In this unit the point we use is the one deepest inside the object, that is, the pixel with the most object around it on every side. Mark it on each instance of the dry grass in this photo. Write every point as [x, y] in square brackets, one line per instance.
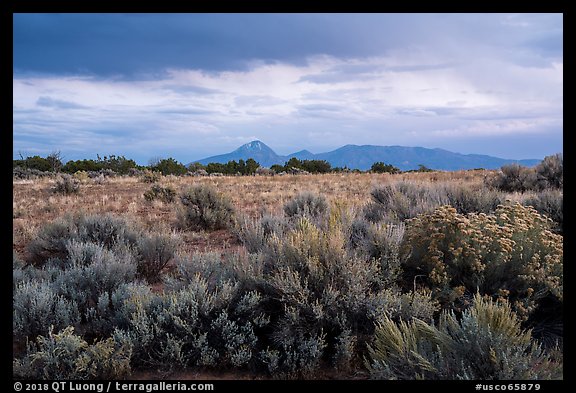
[34, 204]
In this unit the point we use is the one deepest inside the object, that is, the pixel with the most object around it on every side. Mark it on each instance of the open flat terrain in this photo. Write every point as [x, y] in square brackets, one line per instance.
[34, 204]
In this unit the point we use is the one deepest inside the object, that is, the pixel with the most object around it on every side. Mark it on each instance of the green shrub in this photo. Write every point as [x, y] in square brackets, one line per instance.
[205, 208]
[488, 343]
[306, 203]
[164, 194]
[66, 355]
[380, 167]
[511, 254]
[36, 163]
[66, 184]
[169, 166]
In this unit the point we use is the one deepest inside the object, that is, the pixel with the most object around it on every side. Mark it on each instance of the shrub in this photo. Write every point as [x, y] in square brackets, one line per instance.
[36, 307]
[550, 172]
[514, 177]
[135, 172]
[91, 271]
[487, 343]
[380, 242]
[549, 203]
[402, 200]
[322, 293]
[35, 163]
[53, 238]
[472, 199]
[29, 173]
[102, 173]
[380, 167]
[17, 263]
[306, 203]
[229, 271]
[26, 273]
[169, 166]
[66, 355]
[205, 318]
[205, 208]
[67, 289]
[150, 177]
[301, 301]
[255, 233]
[66, 184]
[99, 179]
[165, 194]
[251, 233]
[511, 254]
[81, 176]
[154, 254]
[261, 171]
[86, 262]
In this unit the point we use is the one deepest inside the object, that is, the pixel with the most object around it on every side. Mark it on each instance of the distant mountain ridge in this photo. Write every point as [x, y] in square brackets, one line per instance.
[362, 157]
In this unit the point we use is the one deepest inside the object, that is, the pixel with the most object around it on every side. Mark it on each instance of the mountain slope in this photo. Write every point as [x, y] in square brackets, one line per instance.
[302, 155]
[362, 157]
[255, 149]
[406, 158]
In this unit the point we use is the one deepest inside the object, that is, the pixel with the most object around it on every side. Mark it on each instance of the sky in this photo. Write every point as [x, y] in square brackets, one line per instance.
[189, 86]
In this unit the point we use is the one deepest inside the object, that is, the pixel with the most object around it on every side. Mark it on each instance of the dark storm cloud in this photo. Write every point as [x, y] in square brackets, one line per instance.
[108, 44]
[128, 44]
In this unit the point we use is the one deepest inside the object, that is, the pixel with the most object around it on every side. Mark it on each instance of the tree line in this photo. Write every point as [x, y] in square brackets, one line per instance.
[170, 166]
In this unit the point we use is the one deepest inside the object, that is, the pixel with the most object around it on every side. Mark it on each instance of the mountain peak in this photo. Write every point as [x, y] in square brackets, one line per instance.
[255, 145]
[255, 149]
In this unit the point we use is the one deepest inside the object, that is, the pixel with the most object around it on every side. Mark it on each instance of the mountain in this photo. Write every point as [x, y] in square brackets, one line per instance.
[255, 149]
[362, 157]
[302, 155]
[406, 158]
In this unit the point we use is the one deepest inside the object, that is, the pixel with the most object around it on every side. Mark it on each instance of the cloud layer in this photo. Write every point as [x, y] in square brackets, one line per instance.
[489, 84]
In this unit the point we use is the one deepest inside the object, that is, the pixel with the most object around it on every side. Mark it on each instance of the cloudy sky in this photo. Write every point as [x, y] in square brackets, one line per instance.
[193, 85]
